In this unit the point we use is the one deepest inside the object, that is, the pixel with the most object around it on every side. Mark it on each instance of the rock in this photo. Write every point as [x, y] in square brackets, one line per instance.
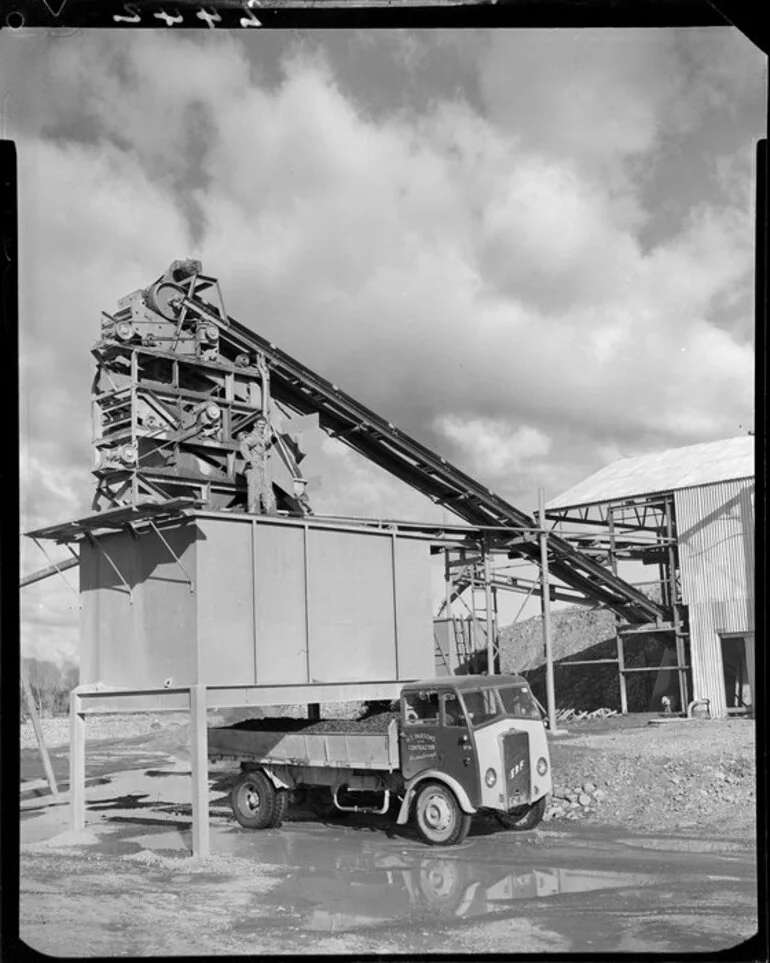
[571, 797]
[599, 794]
[589, 787]
[584, 799]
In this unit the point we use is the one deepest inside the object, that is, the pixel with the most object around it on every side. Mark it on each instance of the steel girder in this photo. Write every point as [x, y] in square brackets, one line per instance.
[157, 439]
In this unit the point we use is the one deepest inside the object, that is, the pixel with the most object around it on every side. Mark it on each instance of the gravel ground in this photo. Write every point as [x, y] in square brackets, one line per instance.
[684, 775]
[56, 731]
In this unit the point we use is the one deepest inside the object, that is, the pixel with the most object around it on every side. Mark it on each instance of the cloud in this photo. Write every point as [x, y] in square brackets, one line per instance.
[351, 485]
[598, 97]
[489, 268]
[494, 448]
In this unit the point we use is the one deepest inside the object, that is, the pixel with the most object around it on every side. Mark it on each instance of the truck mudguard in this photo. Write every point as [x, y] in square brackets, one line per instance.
[278, 775]
[439, 776]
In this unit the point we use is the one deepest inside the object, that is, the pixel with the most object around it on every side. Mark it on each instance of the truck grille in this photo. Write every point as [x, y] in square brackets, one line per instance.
[516, 760]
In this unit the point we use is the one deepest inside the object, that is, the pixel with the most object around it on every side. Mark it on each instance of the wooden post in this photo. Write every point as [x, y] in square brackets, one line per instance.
[39, 734]
[199, 763]
[77, 763]
[545, 607]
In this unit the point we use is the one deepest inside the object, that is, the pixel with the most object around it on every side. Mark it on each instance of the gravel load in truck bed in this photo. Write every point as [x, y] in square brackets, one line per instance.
[378, 722]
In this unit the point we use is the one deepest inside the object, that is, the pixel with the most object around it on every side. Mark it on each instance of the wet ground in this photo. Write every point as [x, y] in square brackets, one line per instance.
[127, 885]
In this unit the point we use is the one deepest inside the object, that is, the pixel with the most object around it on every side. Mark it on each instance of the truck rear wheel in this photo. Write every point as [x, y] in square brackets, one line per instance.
[281, 806]
[440, 820]
[255, 801]
[525, 818]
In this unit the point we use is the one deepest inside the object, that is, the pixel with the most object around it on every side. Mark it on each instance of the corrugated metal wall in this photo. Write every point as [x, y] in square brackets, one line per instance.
[715, 525]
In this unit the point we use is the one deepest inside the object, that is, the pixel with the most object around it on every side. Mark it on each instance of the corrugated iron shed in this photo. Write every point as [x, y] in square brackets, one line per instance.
[665, 471]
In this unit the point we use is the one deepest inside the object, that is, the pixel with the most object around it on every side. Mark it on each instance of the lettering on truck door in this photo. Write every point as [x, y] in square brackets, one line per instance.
[419, 747]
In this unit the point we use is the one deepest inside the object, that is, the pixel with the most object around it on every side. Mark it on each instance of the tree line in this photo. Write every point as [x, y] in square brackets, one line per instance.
[51, 685]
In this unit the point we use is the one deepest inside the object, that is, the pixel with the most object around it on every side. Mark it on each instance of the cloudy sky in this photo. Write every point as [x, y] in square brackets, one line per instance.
[531, 250]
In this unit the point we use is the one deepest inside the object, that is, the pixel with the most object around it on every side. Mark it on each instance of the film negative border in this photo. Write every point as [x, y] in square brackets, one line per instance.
[251, 14]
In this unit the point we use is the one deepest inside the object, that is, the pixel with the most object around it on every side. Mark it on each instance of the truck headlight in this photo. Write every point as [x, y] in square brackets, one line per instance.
[490, 777]
[542, 766]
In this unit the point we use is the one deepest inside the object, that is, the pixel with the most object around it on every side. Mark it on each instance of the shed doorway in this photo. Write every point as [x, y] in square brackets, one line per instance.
[738, 671]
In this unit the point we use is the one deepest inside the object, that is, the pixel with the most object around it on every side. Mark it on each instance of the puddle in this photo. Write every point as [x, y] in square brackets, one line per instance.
[432, 887]
[164, 841]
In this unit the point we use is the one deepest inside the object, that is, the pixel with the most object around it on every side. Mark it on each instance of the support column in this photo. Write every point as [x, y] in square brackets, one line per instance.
[453, 653]
[618, 636]
[684, 697]
[77, 763]
[621, 671]
[314, 711]
[545, 606]
[200, 771]
[492, 666]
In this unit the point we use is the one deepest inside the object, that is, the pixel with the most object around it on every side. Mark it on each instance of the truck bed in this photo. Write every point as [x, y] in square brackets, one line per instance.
[361, 744]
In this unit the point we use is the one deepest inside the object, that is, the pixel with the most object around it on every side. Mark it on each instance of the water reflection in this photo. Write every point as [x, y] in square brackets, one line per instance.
[430, 887]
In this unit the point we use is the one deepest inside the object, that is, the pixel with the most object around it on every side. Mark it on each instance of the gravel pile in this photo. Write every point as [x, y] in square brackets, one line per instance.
[578, 634]
[699, 773]
[571, 802]
[378, 722]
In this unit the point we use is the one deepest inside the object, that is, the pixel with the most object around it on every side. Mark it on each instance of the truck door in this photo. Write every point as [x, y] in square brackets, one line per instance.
[436, 735]
[457, 747]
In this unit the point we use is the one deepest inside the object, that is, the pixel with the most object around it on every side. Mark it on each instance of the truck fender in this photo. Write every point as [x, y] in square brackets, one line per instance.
[281, 780]
[414, 783]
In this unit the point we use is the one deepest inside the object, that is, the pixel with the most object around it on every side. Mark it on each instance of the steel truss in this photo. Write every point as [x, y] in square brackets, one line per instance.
[641, 529]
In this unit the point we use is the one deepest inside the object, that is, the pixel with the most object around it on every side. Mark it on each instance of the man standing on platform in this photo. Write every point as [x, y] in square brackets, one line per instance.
[260, 498]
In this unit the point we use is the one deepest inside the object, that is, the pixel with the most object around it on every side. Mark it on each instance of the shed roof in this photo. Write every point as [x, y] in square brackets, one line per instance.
[664, 471]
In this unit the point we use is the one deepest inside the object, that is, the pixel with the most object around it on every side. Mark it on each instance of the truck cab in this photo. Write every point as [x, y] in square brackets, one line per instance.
[470, 744]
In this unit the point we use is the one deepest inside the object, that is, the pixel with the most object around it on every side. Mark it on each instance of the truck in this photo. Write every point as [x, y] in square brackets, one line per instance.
[454, 747]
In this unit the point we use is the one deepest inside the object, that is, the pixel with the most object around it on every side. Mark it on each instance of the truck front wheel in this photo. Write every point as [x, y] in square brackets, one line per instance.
[255, 801]
[439, 818]
[525, 818]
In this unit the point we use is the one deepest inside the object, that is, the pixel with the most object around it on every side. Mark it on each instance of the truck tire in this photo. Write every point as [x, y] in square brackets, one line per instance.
[254, 800]
[437, 814]
[526, 817]
[281, 807]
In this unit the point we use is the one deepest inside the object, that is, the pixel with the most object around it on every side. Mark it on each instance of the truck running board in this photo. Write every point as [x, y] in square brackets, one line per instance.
[362, 809]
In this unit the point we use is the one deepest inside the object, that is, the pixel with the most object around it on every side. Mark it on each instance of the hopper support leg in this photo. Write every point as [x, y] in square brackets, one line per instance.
[200, 771]
[77, 763]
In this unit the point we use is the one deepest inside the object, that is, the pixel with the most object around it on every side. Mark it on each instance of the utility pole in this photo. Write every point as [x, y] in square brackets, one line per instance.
[545, 608]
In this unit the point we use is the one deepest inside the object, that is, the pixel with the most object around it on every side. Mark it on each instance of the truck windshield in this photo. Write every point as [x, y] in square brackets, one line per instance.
[518, 701]
[482, 706]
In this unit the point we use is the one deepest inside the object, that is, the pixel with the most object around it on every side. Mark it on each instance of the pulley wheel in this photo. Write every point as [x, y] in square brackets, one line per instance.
[162, 298]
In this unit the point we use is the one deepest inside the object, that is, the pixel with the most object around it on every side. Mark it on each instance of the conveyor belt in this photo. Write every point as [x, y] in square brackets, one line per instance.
[341, 416]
